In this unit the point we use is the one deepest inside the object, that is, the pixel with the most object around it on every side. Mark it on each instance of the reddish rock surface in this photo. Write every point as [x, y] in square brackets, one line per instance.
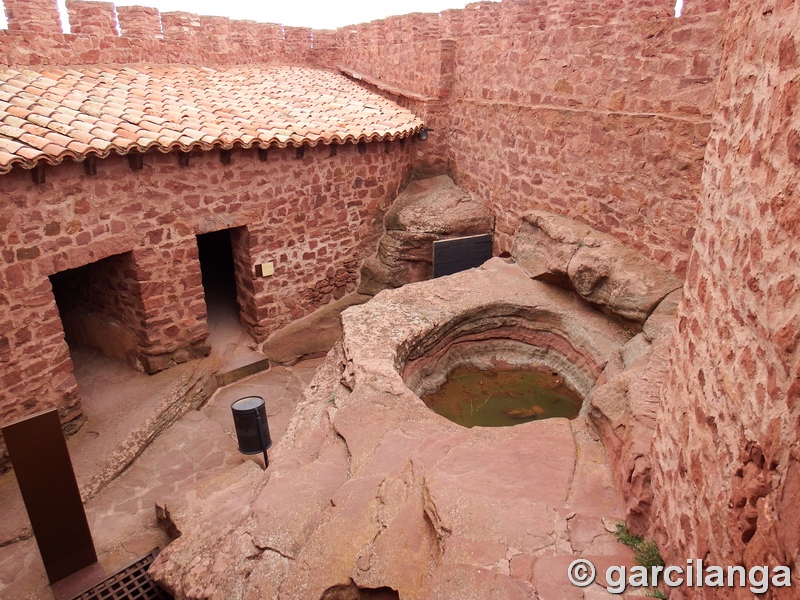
[624, 399]
[371, 486]
[545, 244]
[426, 210]
[623, 407]
[310, 336]
[194, 462]
[601, 269]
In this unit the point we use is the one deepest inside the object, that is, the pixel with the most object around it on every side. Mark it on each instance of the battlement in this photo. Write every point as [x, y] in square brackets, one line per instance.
[92, 18]
[33, 16]
[138, 21]
[101, 32]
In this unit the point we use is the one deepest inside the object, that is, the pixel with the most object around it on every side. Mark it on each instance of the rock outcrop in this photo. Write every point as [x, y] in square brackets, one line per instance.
[602, 270]
[427, 210]
[625, 398]
[623, 407]
[310, 336]
[370, 491]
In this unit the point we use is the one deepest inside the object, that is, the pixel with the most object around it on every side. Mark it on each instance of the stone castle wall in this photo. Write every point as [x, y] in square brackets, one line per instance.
[727, 456]
[599, 111]
[105, 34]
[598, 115]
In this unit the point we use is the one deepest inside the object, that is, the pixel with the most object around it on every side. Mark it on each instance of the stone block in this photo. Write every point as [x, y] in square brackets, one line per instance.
[92, 18]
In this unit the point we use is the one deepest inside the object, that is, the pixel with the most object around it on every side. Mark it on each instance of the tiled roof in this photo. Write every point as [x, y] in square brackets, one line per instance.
[52, 115]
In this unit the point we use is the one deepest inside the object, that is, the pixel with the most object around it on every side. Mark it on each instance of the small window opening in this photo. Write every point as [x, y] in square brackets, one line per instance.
[678, 8]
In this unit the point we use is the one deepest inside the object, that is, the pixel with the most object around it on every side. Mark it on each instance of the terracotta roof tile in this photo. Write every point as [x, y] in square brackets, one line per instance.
[11, 132]
[72, 113]
[78, 147]
[53, 149]
[10, 146]
[82, 125]
[101, 134]
[102, 145]
[35, 129]
[29, 153]
[83, 137]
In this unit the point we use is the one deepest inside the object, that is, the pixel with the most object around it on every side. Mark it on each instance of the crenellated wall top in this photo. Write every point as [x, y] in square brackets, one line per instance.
[100, 32]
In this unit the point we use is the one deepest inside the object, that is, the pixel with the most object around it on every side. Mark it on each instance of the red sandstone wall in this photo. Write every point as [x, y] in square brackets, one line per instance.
[32, 18]
[594, 110]
[597, 110]
[34, 37]
[408, 58]
[316, 217]
[727, 455]
[406, 52]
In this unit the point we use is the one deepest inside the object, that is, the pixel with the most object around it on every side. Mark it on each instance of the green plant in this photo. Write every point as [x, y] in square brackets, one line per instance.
[645, 553]
[626, 538]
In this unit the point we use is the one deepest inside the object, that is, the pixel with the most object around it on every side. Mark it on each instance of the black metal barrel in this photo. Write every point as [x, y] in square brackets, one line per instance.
[252, 428]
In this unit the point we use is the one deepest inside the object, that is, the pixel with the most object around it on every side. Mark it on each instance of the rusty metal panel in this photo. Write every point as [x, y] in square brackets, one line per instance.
[46, 479]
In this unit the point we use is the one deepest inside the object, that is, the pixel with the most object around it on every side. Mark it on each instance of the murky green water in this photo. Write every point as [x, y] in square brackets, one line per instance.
[473, 397]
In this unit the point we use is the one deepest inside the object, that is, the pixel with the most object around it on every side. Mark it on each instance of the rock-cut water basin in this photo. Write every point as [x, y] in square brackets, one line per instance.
[500, 398]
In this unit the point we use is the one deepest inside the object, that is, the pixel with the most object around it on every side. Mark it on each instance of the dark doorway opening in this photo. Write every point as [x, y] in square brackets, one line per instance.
[100, 309]
[100, 305]
[219, 284]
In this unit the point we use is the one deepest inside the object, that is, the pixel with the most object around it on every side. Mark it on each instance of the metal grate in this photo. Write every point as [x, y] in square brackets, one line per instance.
[131, 583]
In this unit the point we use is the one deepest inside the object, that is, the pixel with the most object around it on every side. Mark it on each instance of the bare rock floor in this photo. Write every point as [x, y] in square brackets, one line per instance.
[199, 448]
[369, 486]
[366, 486]
[482, 513]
